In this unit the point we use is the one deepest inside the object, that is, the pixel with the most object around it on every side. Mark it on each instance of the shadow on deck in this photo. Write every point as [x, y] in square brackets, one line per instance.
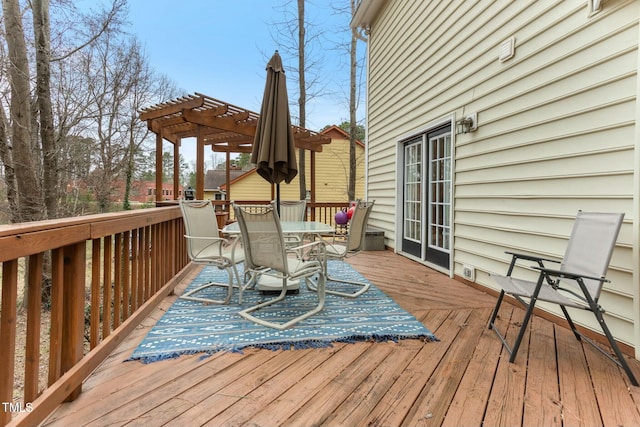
[464, 379]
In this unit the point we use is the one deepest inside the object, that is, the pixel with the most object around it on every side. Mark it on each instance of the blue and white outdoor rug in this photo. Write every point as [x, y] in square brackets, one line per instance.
[190, 327]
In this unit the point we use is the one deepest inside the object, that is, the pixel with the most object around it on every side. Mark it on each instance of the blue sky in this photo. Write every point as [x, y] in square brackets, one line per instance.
[220, 48]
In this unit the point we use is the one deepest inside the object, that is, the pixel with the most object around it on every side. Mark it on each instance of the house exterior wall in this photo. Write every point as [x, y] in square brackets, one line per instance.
[332, 170]
[332, 176]
[558, 127]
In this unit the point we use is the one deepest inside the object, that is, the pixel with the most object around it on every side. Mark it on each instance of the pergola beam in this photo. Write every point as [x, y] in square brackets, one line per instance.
[172, 107]
[230, 123]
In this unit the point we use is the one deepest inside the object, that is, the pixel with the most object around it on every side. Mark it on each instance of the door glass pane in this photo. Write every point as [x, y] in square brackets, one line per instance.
[413, 191]
[440, 192]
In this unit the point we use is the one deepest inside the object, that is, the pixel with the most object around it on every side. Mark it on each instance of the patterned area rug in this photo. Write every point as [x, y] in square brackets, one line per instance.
[190, 327]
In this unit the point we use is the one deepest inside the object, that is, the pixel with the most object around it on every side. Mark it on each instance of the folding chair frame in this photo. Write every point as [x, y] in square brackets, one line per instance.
[551, 278]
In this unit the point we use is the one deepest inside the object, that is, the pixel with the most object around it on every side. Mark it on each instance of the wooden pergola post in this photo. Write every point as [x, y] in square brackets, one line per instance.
[199, 164]
[228, 179]
[176, 170]
[313, 184]
[159, 167]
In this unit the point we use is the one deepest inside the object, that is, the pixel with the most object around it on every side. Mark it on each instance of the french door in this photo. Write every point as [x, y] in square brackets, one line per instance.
[426, 208]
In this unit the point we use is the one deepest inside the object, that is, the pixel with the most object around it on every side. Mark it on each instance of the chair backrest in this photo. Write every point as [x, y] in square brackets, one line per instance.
[358, 225]
[199, 221]
[591, 245]
[293, 210]
[261, 236]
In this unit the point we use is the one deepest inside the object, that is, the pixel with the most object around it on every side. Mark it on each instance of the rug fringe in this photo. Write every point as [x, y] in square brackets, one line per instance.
[285, 346]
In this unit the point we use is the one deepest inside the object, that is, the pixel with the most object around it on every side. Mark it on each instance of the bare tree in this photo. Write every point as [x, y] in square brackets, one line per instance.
[352, 95]
[353, 65]
[28, 190]
[42, 33]
[298, 38]
[146, 88]
[9, 173]
[112, 78]
[32, 131]
[302, 103]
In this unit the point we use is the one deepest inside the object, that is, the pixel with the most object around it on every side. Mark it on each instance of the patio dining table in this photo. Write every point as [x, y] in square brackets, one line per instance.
[291, 228]
[300, 228]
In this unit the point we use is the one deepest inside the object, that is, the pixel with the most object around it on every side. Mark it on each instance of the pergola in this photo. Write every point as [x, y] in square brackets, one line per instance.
[225, 127]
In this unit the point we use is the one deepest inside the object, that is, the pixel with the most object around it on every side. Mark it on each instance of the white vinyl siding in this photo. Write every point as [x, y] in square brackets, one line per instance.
[557, 124]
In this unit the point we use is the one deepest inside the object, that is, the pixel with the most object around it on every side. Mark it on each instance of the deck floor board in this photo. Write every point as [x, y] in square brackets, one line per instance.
[465, 378]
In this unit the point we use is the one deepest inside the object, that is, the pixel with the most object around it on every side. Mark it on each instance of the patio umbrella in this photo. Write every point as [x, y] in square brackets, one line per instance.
[273, 150]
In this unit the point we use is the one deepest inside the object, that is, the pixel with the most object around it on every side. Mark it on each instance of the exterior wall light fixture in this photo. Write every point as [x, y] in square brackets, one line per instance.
[467, 124]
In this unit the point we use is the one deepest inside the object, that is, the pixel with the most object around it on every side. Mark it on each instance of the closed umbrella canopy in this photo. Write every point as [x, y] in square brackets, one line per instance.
[273, 150]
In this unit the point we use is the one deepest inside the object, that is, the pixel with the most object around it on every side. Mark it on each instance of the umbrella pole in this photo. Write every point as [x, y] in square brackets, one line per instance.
[278, 199]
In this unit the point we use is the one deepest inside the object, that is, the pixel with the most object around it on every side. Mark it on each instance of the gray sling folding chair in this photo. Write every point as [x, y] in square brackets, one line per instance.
[205, 246]
[267, 259]
[576, 283]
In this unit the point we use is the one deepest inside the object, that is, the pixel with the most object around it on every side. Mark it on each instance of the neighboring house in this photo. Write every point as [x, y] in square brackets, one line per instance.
[141, 191]
[215, 180]
[145, 191]
[331, 170]
[553, 88]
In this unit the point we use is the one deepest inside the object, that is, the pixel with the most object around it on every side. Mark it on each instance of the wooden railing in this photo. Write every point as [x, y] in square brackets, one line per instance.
[106, 273]
[322, 212]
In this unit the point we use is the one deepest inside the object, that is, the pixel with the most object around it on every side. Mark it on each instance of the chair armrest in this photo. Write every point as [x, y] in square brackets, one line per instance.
[220, 241]
[212, 239]
[309, 245]
[315, 249]
[516, 255]
[567, 274]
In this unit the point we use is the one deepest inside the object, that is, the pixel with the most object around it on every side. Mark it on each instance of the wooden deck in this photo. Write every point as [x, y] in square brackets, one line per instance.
[464, 379]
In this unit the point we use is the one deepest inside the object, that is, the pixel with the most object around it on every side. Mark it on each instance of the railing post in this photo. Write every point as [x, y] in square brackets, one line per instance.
[73, 309]
[55, 334]
[8, 336]
[95, 293]
[117, 281]
[34, 314]
[106, 287]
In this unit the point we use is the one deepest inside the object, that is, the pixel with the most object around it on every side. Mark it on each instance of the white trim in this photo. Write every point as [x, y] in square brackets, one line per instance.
[453, 199]
[635, 253]
[366, 128]
[449, 118]
[426, 182]
[398, 197]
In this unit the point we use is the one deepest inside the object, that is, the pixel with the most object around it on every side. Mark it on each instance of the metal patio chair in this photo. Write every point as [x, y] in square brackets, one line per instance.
[576, 283]
[293, 210]
[268, 261]
[353, 245]
[205, 246]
